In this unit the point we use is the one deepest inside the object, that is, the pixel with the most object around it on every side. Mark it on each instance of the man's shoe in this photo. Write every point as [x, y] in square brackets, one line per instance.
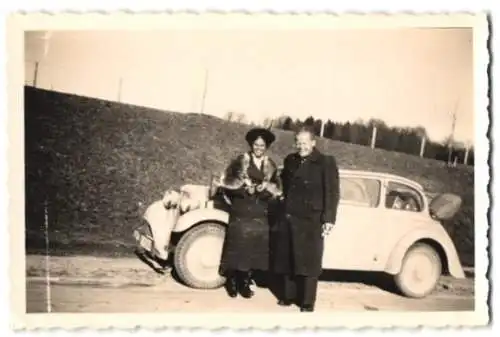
[285, 303]
[307, 308]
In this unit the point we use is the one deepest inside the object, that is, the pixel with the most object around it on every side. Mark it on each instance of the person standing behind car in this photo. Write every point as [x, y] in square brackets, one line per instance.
[311, 195]
[252, 185]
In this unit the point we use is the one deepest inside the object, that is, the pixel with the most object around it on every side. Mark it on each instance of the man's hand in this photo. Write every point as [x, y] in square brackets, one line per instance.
[327, 227]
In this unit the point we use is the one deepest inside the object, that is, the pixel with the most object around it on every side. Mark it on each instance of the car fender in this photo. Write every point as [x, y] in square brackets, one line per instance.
[191, 218]
[434, 237]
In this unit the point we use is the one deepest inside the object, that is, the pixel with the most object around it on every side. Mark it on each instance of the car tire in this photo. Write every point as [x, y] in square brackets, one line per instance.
[420, 271]
[197, 256]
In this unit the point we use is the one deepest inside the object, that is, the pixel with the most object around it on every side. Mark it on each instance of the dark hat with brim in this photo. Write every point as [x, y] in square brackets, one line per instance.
[265, 134]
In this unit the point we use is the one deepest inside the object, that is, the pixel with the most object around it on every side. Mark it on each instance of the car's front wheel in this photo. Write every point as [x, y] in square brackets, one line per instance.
[420, 271]
[197, 256]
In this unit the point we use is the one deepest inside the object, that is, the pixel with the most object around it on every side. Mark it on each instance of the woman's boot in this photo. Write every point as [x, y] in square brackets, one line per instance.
[244, 285]
[232, 285]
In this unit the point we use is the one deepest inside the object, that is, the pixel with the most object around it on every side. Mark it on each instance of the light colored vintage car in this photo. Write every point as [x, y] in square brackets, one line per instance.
[385, 223]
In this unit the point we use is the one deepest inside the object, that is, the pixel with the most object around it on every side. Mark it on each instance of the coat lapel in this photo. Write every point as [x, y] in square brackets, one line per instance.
[254, 171]
[301, 168]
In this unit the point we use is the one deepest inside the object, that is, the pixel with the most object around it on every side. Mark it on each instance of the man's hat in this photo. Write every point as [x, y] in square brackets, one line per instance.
[255, 133]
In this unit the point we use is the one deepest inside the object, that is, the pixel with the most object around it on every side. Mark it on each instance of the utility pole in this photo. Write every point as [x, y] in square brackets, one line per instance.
[204, 95]
[35, 75]
[452, 134]
[46, 44]
[120, 84]
[451, 138]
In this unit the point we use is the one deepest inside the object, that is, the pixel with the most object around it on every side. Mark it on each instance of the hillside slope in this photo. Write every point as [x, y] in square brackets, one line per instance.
[94, 161]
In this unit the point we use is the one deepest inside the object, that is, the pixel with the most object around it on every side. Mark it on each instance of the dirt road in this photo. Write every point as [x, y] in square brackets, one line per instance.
[99, 285]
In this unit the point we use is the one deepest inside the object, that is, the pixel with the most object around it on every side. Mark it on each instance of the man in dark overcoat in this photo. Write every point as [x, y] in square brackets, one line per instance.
[311, 195]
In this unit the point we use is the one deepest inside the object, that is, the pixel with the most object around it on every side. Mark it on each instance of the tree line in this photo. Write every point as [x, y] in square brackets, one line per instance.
[400, 139]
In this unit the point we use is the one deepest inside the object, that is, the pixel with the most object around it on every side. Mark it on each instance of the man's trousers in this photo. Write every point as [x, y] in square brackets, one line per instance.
[300, 288]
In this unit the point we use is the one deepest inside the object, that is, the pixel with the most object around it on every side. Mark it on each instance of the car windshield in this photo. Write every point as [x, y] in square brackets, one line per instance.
[360, 191]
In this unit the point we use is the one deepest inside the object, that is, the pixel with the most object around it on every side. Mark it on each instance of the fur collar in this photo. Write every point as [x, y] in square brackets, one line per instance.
[236, 174]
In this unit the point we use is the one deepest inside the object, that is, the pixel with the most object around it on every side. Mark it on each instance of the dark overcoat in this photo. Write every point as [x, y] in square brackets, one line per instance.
[246, 245]
[311, 191]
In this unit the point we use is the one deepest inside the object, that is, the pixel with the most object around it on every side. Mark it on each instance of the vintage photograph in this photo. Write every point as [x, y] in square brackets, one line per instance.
[280, 168]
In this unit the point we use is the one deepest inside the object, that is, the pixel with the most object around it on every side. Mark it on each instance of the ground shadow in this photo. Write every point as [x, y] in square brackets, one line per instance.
[273, 282]
[270, 281]
[469, 273]
[160, 267]
[380, 280]
[375, 279]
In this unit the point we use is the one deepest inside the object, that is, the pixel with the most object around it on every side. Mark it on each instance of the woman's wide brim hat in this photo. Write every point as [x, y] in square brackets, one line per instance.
[265, 134]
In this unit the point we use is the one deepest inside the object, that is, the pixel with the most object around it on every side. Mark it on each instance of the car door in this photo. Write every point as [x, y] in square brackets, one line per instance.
[350, 244]
[404, 210]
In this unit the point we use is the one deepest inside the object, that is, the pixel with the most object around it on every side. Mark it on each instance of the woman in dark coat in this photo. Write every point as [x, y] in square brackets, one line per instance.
[252, 185]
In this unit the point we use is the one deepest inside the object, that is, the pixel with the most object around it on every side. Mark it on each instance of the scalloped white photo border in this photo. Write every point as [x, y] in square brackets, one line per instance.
[19, 23]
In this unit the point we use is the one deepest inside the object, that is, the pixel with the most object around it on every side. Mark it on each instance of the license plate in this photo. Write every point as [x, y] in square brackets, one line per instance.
[137, 235]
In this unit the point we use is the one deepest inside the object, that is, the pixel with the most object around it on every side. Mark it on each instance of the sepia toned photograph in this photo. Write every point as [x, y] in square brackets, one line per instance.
[289, 166]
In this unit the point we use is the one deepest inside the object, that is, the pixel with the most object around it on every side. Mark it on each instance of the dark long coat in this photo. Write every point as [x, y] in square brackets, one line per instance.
[246, 245]
[311, 190]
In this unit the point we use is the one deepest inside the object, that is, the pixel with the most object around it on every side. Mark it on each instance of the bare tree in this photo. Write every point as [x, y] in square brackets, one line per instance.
[229, 116]
[268, 122]
[239, 117]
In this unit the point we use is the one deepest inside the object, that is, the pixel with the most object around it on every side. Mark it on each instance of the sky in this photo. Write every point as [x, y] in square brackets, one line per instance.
[406, 77]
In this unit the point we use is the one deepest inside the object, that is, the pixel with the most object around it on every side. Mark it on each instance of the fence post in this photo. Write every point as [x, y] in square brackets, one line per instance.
[422, 146]
[374, 137]
[322, 130]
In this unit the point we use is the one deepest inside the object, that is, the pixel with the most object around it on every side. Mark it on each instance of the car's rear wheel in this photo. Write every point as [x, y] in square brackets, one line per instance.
[420, 271]
[197, 256]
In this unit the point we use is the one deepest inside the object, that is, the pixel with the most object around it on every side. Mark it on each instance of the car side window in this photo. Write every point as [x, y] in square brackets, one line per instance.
[360, 191]
[402, 197]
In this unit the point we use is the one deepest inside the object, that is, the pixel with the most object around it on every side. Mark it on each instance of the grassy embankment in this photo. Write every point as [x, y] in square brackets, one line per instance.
[95, 161]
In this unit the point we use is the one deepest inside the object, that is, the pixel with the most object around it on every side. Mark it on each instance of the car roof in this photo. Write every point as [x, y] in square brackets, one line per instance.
[380, 175]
